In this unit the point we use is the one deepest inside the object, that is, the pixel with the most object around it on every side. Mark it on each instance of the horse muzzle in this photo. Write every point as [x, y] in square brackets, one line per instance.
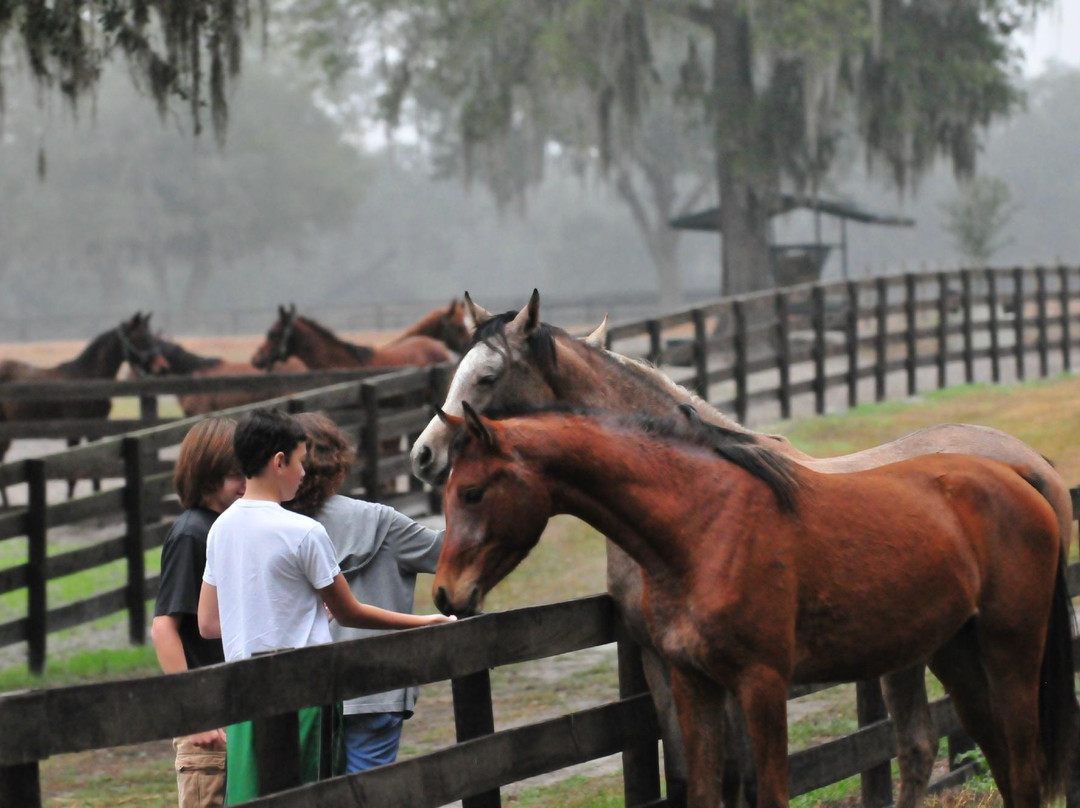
[448, 606]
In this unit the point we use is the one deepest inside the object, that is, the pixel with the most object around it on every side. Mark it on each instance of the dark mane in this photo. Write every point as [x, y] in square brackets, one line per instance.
[740, 448]
[541, 342]
[181, 360]
[361, 352]
[109, 340]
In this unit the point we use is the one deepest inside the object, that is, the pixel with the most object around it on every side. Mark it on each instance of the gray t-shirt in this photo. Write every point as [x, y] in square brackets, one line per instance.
[380, 552]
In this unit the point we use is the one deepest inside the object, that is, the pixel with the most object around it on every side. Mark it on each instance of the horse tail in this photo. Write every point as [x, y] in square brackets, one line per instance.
[1058, 710]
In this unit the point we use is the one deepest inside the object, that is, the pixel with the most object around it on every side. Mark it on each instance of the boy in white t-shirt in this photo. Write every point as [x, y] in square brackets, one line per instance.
[268, 574]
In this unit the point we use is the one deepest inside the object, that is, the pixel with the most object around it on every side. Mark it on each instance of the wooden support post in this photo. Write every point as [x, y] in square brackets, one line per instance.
[738, 310]
[37, 565]
[876, 782]
[148, 408]
[473, 717]
[969, 335]
[995, 342]
[20, 785]
[943, 330]
[1044, 337]
[851, 340]
[817, 316]
[1063, 293]
[277, 752]
[1018, 321]
[641, 765]
[783, 352]
[369, 440]
[912, 346]
[655, 346]
[701, 355]
[135, 519]
[881, 339]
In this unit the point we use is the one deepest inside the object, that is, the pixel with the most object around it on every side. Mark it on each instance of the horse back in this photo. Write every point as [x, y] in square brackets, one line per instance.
[418, 350]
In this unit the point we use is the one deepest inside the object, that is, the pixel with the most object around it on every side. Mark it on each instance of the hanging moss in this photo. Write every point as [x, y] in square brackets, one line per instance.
[166, 43]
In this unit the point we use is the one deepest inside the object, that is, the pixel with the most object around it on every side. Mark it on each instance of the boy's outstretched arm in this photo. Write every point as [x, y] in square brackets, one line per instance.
[209, 619]
[348, 611]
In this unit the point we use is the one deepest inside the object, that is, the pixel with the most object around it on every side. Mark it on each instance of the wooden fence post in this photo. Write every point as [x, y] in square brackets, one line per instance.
[1063, 293]
[943, 330]
[995, 345]
[881, 357]
[783, 352]
[37, 565]
[912, 347]
[655, 346]
[1044, 344]
[473, 717]
[20, 785]
[701, 355]
[148, 407]
[277, 752]
[817, 317]
[369, 443]
[738, 310]
[969, 335]
[135, 518]
[876, 782]
[641, 765]
[1018, 321]
[851, 338]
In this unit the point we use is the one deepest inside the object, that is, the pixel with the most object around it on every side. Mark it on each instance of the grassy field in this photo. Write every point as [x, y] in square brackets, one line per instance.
[569, 562]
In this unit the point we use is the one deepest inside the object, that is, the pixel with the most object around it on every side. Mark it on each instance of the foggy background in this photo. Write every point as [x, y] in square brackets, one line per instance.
[136, 214]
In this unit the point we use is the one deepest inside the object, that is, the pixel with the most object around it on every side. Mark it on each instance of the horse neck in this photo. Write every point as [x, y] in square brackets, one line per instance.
[635, 490]
[101, 358]
[183, 361]
[321, 349]
[429, 326]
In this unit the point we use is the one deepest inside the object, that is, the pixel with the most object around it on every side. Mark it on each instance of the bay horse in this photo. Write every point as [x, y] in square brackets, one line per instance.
[320, 349]
[131, 341]
[761, 573]
[448, 325]
[174, 359]
[517, 360]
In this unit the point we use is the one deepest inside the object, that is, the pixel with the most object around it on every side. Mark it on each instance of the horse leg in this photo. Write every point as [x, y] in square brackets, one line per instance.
[762, 692]
[916, 738]
[699, 701]
[656, 674]
[959, 667]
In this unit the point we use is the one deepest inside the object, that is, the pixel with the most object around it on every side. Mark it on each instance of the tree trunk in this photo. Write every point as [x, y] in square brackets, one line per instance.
[746, 189]
[661, 240]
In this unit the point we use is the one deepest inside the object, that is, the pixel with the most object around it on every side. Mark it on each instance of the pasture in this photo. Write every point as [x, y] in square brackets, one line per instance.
[569, 563]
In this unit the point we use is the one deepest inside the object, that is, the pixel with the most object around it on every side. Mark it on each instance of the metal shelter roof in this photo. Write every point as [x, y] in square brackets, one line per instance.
[710, 219]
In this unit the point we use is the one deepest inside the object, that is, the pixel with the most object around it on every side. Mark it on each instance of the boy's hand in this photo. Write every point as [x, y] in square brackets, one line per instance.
[434, 619]
[211, 739]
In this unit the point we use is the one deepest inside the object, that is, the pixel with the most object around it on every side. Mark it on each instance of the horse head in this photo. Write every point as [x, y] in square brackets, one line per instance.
[510, 363]
[454, 327]
[495, 513]
[278, 345]
[140, 347]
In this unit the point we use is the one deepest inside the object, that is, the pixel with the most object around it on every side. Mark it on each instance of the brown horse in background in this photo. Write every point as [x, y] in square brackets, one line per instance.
[517, 360]
[320, 349]
[760, 573]
[102, 357]
[174, 359]
[449, 326]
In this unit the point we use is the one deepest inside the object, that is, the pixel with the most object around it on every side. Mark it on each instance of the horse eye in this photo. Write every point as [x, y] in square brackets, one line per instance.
[473, 496]
[488, 380]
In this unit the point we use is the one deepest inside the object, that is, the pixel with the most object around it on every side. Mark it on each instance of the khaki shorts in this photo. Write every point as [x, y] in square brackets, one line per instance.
[200, 775]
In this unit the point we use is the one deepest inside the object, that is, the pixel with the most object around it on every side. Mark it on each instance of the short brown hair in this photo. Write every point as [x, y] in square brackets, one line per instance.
[206, 459]
[329, 458]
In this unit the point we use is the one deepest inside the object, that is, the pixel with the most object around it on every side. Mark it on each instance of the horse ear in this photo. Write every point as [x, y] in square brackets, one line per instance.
[475, 424]
[281, 311]
[478, 314]
[452, 421]
[529, 317]
[598, 338]
[690, 412]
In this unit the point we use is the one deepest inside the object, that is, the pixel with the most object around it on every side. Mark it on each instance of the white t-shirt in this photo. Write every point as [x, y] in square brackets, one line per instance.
[267, 564]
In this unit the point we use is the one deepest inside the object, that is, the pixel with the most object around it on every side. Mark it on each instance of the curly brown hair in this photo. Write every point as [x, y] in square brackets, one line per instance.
[206, 458]
[329, 458]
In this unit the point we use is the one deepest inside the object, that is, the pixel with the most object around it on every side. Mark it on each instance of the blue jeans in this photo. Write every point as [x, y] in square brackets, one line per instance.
[371, 739]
